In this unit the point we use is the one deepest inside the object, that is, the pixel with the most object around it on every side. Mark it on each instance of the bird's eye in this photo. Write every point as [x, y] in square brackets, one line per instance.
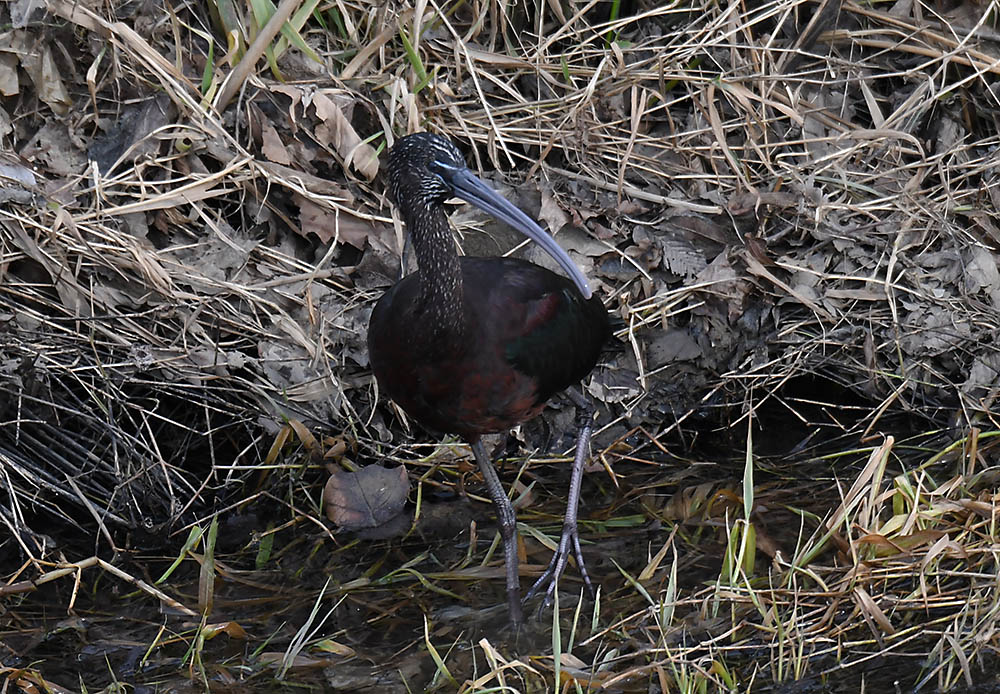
[440, 170]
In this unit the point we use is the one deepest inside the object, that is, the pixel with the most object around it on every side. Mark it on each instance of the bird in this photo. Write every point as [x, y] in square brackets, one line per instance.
[472, 346]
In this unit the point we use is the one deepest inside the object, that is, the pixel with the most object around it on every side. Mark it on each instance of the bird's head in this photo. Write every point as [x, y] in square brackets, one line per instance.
[421, 168]
[426, 169]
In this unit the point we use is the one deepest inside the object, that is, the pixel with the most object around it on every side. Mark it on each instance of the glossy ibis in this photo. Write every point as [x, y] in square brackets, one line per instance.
[472, 346]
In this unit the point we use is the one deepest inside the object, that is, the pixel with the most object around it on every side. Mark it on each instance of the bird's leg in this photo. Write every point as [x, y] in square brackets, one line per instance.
[584, 422]
[508, 529]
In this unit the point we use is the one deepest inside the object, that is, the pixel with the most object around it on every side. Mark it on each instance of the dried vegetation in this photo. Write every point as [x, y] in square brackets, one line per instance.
[792, 207]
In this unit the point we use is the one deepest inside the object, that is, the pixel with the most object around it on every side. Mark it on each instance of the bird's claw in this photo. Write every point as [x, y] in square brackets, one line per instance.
[550, 577]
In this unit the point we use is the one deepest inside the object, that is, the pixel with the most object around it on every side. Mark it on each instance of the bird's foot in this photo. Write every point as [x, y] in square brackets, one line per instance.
[570, 541]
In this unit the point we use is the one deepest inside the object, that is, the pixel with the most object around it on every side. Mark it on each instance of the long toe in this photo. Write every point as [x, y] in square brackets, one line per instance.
[569, 542]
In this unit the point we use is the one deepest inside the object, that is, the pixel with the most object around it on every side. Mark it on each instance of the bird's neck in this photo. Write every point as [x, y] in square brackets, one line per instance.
[440, 276]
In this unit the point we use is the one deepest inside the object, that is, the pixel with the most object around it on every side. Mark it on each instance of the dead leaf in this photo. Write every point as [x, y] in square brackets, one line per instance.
[368, 498]
[23, 11]
[306, 437]
[982, 274]
[51, 150]
[886, 547]
[12, 169]
[688, 502]
[336, 448]
[6, 126]
[16, 181]
[9, 84]
[614, 385]
[232, 629]
[867, 605]
[756, 268]
[328, 226]
[296, 179]
[39, 62]
[551, 213]
[742, 202]
[338, 132]
[271, 145]
[680, 257]
[670, 345]
[335, 647]
[757, 247]
[132, 134]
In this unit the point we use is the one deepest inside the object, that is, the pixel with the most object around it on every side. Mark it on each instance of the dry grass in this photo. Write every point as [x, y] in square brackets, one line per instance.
[796, 221]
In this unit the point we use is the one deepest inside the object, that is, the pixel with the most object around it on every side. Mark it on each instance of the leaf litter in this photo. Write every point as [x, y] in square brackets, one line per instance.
[791, 211]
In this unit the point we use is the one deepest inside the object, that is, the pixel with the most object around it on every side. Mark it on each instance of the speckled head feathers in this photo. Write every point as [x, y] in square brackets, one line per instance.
[416, 165]
[427, 169]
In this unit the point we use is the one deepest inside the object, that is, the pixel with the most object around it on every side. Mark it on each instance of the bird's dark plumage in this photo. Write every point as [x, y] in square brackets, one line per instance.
[472, 346]
[526, 334]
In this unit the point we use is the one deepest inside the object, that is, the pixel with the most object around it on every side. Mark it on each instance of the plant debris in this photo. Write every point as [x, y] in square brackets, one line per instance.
[791, 208]
[368, 498]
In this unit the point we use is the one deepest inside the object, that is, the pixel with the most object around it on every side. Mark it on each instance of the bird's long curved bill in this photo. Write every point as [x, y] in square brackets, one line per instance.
[467, 186]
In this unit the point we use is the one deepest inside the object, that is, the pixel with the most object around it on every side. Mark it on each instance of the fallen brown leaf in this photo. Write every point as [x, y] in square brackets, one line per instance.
[338, 132]
[368, 498]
